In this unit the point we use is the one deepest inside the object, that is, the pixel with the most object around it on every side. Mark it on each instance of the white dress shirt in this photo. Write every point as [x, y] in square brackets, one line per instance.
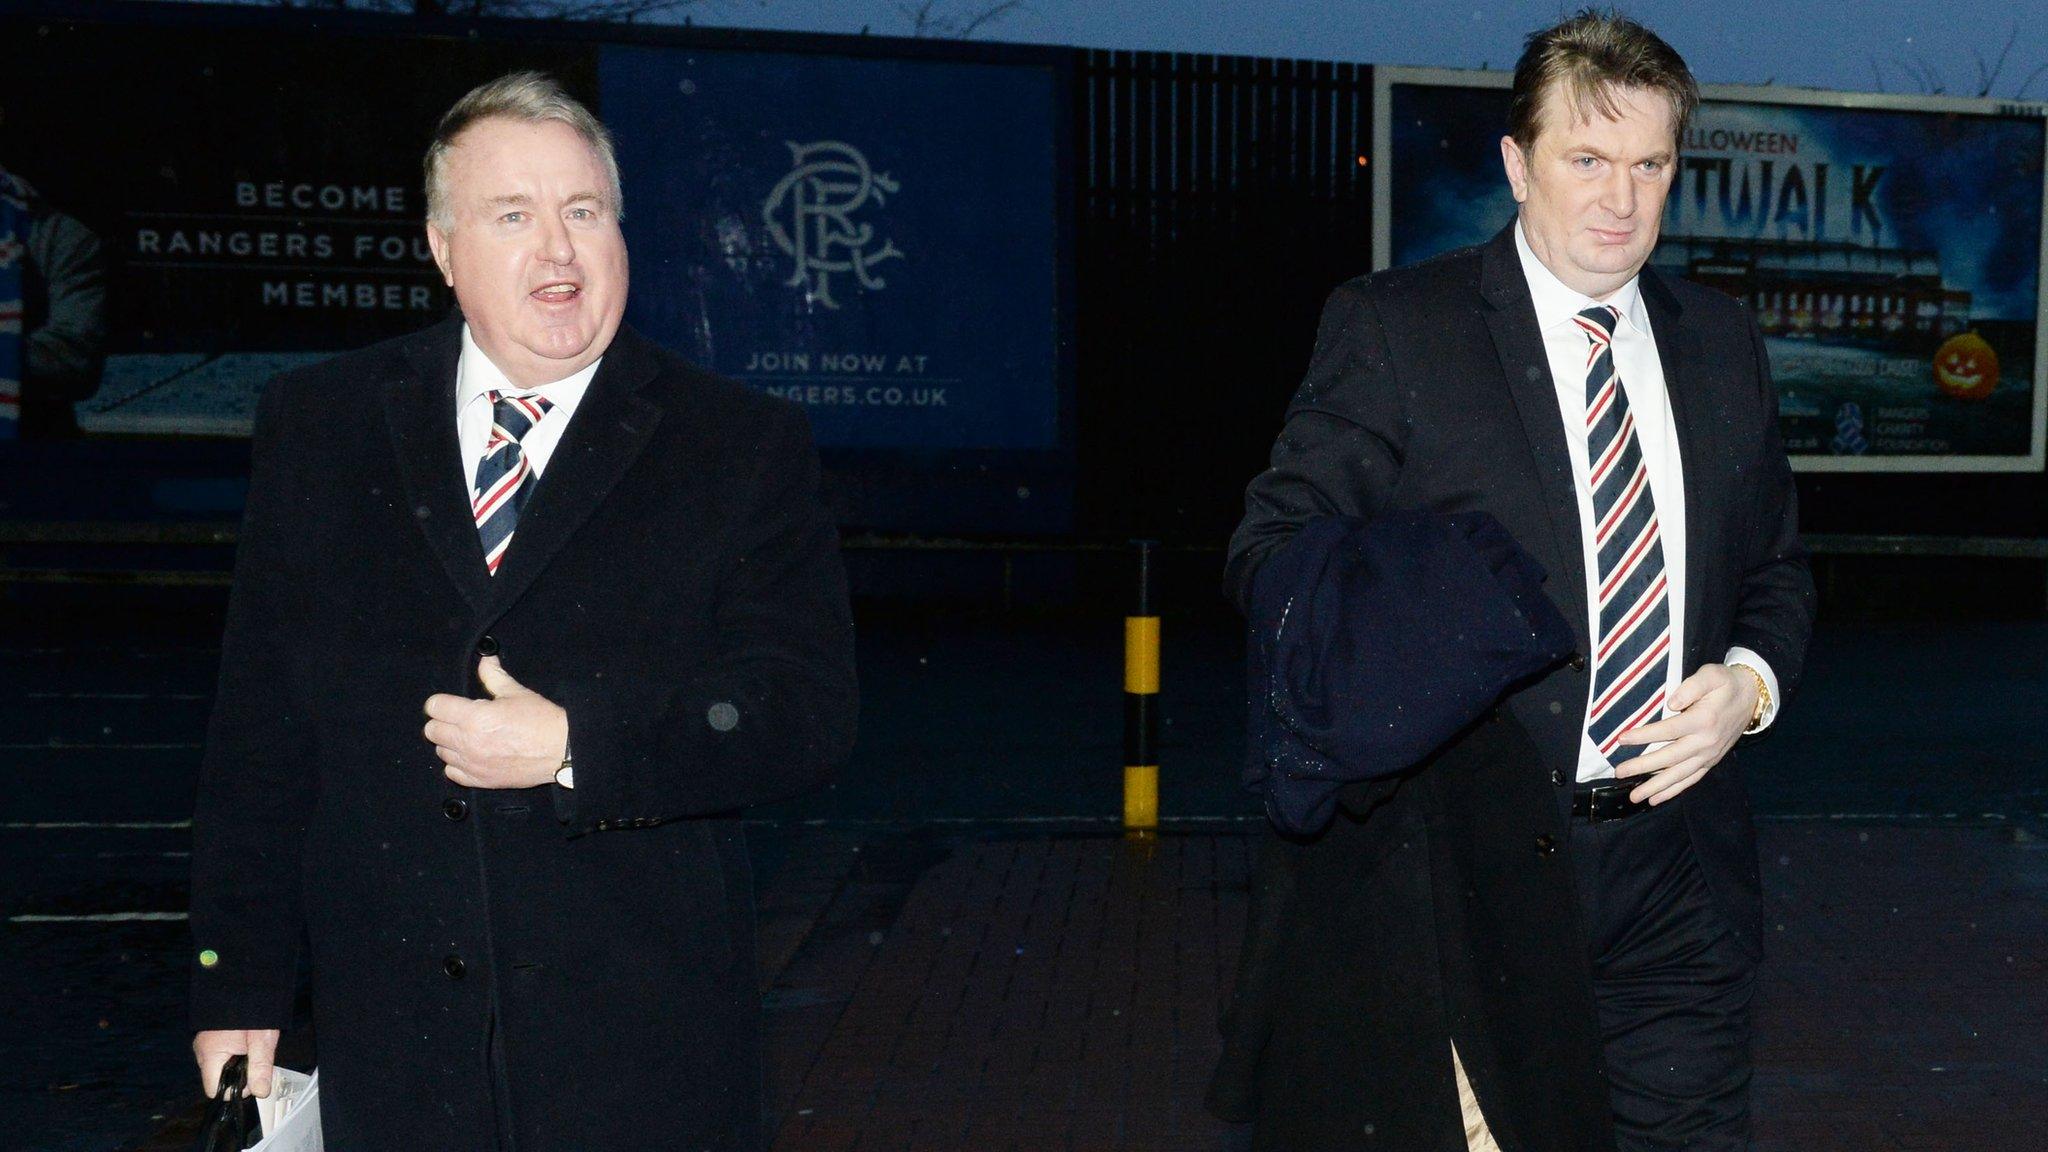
[475, 375]
[1642, 381]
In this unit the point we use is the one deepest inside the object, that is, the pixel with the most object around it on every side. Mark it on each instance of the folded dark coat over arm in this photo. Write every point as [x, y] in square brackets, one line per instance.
[1396, 909]
[1372, 643]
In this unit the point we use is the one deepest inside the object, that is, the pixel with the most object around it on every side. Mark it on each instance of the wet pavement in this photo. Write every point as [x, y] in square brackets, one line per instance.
[959, 951]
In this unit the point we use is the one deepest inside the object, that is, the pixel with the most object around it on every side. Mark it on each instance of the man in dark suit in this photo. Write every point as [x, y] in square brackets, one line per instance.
[605, 584]
[1622, 425]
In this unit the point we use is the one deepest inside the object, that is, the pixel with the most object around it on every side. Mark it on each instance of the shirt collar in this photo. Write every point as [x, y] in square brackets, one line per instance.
[475, 375]
[1557, 304]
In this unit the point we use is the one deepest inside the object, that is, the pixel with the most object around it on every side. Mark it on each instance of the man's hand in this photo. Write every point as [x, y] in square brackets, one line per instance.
[1714, 705]
[515, 739]
[212, 1050]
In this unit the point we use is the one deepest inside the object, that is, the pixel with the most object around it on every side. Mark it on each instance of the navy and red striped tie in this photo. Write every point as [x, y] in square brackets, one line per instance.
[1633, 649]
[504, 479]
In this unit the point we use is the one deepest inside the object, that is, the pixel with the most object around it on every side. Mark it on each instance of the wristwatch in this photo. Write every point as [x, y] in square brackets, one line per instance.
[566, 774]
[1763, 700]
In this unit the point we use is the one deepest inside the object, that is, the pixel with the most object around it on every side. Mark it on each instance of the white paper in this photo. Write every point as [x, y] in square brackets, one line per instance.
[291, 1113]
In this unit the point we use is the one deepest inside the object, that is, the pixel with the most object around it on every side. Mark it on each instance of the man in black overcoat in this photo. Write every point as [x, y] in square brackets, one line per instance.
[1558, 917]
[525, 610]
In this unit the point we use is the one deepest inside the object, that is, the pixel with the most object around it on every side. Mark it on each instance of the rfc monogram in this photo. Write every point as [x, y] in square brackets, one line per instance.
[811, 215]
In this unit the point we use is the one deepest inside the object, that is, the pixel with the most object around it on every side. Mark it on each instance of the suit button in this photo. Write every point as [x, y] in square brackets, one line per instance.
[452, 966]
[1546, 844]
[603, 824]
[1578, 661]
[455, 808]
[487, 646]
[1556, 778]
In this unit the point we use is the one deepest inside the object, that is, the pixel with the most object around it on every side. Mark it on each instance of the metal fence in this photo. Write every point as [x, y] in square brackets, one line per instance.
[1221, 198]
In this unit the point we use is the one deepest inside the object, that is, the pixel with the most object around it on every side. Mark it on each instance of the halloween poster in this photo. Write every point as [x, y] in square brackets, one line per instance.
[1890, 249]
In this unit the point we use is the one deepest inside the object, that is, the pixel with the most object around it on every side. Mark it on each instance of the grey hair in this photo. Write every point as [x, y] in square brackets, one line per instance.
[529, 97]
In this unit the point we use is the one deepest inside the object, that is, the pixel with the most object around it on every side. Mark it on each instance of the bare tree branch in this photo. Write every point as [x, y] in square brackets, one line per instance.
[927, 21]
[2020, 93]
[989, 16]
[1925, 76]
[919, 15]
[1988, 77]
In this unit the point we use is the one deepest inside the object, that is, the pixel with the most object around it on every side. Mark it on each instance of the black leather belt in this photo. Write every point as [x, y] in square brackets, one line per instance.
[1601, 802]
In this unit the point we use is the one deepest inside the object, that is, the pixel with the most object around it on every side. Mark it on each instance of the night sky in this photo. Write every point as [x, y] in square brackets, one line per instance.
[1861, 46]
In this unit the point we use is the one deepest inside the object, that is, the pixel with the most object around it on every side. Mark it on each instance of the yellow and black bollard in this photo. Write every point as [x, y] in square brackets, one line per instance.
[1141, 706]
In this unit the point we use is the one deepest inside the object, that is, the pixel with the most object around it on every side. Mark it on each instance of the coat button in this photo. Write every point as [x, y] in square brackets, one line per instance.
[487, 645]
[1546, 844]
[1556, 778]
[453, 966]
[1578, 661]
[455, 808]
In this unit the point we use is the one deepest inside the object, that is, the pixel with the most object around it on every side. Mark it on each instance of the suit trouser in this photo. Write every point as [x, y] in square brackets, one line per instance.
[1671, 983]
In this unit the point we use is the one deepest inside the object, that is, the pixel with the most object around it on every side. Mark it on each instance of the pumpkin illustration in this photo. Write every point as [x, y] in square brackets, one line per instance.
[1966, 367]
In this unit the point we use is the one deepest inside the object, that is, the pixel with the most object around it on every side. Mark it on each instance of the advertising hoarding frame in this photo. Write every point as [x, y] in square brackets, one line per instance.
[932, 484]
[1385, 78]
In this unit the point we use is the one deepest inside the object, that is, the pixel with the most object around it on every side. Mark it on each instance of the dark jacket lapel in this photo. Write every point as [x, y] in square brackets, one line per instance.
[419, 411]
[1511, 318]
[607, 433]
[1690, 409]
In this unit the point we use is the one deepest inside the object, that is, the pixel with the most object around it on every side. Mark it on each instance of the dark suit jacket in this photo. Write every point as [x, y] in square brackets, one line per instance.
[532, 969]
[1430, 388]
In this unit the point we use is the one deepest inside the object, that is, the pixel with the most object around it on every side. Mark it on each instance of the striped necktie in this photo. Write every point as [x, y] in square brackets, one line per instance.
[1633, 651]
[504, 479]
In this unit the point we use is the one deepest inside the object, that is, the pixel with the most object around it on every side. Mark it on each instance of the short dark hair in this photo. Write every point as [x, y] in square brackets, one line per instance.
[1587, 57]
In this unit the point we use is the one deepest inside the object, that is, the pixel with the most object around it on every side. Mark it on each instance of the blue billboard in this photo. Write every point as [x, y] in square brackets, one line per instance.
[1890, 248]
[875, 239]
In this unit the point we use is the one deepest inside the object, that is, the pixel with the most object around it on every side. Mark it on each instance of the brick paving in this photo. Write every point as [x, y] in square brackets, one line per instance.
[1905, 1009]
[1905, 1006]
[1037, 994]
[1060, 993]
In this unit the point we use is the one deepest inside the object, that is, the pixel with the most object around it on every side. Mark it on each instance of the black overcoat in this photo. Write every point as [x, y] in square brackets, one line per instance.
[1430, 389]
[536, 969]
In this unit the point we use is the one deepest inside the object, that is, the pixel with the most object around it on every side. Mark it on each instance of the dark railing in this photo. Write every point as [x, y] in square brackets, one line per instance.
[1220, 199]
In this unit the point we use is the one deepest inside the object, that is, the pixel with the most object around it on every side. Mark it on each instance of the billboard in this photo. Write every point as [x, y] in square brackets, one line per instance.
[875, 239]
[261, 209]
[1890, 248]
[876, 232]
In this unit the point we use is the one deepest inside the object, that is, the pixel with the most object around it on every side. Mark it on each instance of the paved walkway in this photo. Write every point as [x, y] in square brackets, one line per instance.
[958, 959]
[1035, 994]
[973, 990]
[1061, 994]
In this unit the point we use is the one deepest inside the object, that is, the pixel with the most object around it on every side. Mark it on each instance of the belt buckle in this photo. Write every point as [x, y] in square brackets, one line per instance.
[1609, 802]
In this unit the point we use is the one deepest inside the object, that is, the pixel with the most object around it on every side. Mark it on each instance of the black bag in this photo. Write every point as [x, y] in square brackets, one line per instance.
[231, 1122]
